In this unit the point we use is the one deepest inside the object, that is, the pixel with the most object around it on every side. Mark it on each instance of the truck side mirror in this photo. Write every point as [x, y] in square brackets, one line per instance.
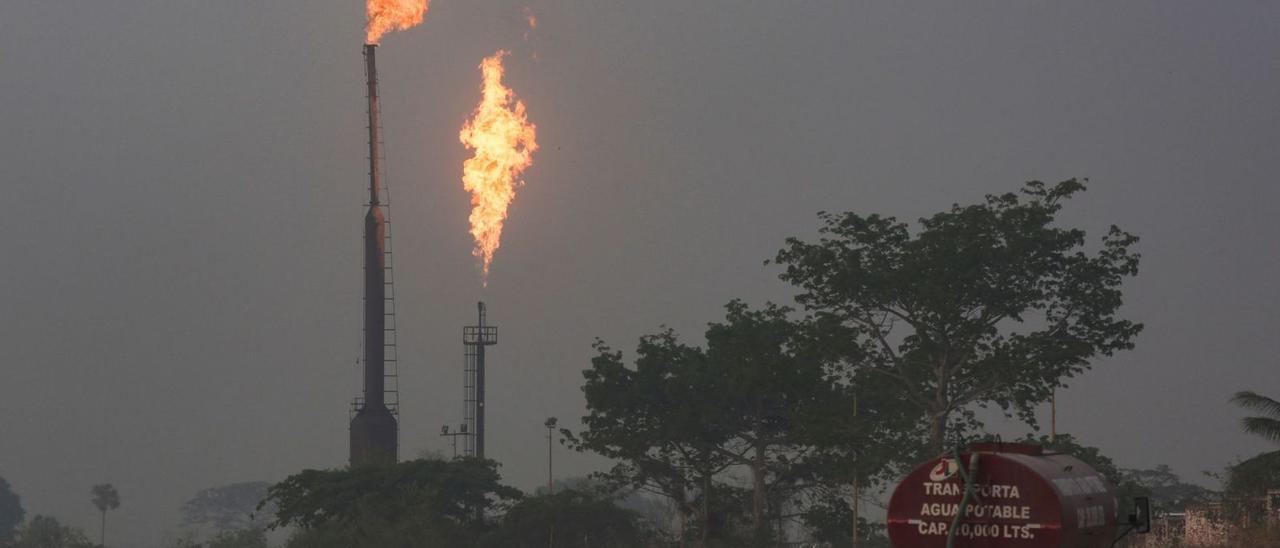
[1140, 519]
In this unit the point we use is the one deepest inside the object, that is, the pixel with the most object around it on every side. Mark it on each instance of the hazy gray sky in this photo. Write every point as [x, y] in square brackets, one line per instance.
[181, 186]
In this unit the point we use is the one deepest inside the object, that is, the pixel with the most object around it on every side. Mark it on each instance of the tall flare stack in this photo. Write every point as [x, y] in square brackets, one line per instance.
[374, 433]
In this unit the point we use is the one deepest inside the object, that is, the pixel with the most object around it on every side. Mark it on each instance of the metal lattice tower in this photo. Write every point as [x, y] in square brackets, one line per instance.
[474, 339]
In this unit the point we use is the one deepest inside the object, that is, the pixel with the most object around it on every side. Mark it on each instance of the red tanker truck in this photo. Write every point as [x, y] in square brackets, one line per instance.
[1013, 495]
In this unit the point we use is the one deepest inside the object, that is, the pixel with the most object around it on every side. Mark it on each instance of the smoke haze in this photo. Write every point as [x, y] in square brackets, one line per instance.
[181, 187]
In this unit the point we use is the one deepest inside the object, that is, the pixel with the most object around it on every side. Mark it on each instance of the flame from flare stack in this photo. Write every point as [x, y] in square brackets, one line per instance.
[387, 15]
[504, 142]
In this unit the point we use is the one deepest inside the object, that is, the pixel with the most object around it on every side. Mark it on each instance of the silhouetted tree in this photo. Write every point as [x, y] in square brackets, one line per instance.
[1247, 482]
[864, 435]
[11, 514]
[228, 508]
[1268, 424]
[760, 399]
[650, 420]
[105, 497]
[985, 304]
[391, 505]
[185, 540]
[568, 519]
[48, 532]
[244, 538]
[1068, 444]
[830, 521]
[1168, 492]
[763, 387]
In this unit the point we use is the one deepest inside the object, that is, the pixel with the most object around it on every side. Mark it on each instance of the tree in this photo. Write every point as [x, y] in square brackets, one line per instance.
[390, 505]
[1268, 424]
[568, 519]
[763, 386]
[650, 420]
[187, 539]
[244, 538]
[1167, 491]
[227, 508]
[1248, 481]
[105, 498]
[47, 532]
[759, 400]
[11, 514]
[985, 304]
[656, 514]
[864, 438]
[1092, 456]
[831, 519]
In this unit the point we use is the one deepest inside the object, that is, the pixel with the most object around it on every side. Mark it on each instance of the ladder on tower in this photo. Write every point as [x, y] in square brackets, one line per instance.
[469, 397]
[391, 357]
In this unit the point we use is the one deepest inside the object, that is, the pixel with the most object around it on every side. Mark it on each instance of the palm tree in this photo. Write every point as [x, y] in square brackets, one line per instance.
[105, 498]
[1267, 425]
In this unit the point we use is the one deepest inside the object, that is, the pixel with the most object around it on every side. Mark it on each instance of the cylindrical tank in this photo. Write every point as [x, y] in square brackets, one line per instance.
[1022, 497]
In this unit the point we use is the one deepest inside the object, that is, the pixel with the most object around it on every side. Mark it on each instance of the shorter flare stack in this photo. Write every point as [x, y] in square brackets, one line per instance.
[475, 338]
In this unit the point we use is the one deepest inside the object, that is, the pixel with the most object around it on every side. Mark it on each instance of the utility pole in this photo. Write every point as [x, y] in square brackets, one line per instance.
[853, 504]
[551, 425]
[1053, 416]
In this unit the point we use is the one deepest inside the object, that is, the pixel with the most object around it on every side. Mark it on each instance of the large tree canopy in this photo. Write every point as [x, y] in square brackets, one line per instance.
[650, 419]
[105, 497]
[759, 403]
[1167, 491]
[11, 513]
[568, 519]
[364, 504]
[48, 532]
[1247, 483]
[228, 507]
[243, 538]
[990, 303]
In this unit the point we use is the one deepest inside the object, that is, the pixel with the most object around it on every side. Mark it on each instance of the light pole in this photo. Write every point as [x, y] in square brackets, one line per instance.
[1053, 416]
[853, 501]
[551, 425]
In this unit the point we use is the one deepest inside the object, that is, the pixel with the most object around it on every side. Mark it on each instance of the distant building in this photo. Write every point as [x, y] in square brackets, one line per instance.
[1205, 525]
[1209, 525]
[1166, 530]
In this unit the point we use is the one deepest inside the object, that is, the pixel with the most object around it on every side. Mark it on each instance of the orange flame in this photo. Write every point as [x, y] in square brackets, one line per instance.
[504, 142]
[387, 15]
